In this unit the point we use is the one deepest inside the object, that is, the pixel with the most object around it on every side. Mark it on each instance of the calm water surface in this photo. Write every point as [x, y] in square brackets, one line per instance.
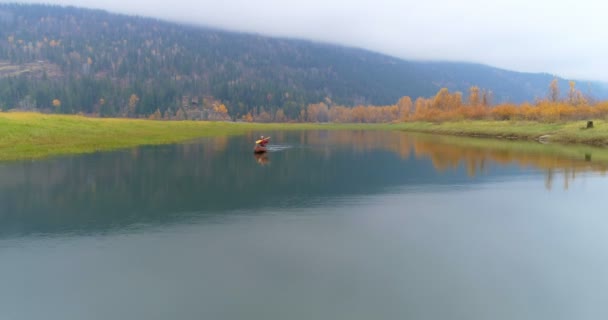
[328, 225]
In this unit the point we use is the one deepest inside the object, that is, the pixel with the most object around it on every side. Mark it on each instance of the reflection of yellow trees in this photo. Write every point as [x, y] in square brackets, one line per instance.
[220, 143]
[446, 154]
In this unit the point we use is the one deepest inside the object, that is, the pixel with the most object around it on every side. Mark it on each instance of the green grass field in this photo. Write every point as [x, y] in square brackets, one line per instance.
[566, 132]
[34, 135]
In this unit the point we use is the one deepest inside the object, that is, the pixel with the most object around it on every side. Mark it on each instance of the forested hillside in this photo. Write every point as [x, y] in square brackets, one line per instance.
[71, 60]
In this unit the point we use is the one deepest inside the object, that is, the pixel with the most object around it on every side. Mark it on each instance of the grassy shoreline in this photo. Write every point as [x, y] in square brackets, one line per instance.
[573, 132]
[34, 135]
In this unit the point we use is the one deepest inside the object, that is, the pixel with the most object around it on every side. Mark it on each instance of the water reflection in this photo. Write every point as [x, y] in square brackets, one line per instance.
[450, 153]
[340, 225]
[261, 158]
[161, 183]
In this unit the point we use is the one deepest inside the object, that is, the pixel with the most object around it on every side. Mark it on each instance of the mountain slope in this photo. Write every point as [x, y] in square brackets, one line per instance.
[95, 62]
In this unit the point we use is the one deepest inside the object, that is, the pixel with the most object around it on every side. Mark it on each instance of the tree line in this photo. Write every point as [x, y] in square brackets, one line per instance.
[450, 106]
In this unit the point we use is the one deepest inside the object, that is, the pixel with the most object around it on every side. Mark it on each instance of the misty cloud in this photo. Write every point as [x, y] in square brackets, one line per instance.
[536, 36]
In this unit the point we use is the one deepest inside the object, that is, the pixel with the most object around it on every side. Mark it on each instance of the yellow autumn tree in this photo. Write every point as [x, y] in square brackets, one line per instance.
[455, 101]
[263, 116]
[442, 99]
[280, 116]
[156, 115]
[486, 98]
[133, 100]
[248, 117]
[404, 106]
[474, 96]
[221, 111]
[180, 114]
[554, 90]
[359, 114]
[318, 112]
[56, 103]
[575, 97]
[342, 114]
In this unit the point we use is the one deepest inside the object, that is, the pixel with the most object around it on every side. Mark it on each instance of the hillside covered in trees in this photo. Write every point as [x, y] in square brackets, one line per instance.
[72, 60]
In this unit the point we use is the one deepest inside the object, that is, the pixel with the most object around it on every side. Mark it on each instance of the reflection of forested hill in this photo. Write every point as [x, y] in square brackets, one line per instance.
[145, 185]
[151, 184]
[94, 62]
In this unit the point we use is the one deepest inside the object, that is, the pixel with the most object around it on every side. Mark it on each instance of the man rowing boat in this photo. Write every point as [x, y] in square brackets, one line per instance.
[263, 141]
[260, 145]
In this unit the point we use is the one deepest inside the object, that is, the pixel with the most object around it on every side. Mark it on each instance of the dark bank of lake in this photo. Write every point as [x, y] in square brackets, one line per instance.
[327, 225]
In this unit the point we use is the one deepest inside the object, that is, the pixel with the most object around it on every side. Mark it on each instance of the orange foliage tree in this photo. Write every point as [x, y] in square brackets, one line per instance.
[444, 106]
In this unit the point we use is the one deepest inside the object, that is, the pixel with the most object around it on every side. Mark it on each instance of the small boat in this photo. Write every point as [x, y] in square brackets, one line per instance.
[259, 149]
[260, 145]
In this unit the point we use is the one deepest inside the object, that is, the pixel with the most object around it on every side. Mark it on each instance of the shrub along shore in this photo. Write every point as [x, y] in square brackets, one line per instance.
[34, 135]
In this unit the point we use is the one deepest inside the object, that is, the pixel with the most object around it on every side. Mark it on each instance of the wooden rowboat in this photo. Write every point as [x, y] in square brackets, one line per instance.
[259, 149]
[260, 145]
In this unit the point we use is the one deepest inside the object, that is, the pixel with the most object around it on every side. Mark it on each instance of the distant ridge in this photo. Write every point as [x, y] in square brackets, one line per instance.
[93, 61]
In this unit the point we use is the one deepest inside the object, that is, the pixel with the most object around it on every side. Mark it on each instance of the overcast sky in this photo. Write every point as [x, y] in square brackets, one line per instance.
[566, 38]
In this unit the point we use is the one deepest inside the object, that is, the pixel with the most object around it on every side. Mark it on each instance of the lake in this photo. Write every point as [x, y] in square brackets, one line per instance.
[327, 225]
